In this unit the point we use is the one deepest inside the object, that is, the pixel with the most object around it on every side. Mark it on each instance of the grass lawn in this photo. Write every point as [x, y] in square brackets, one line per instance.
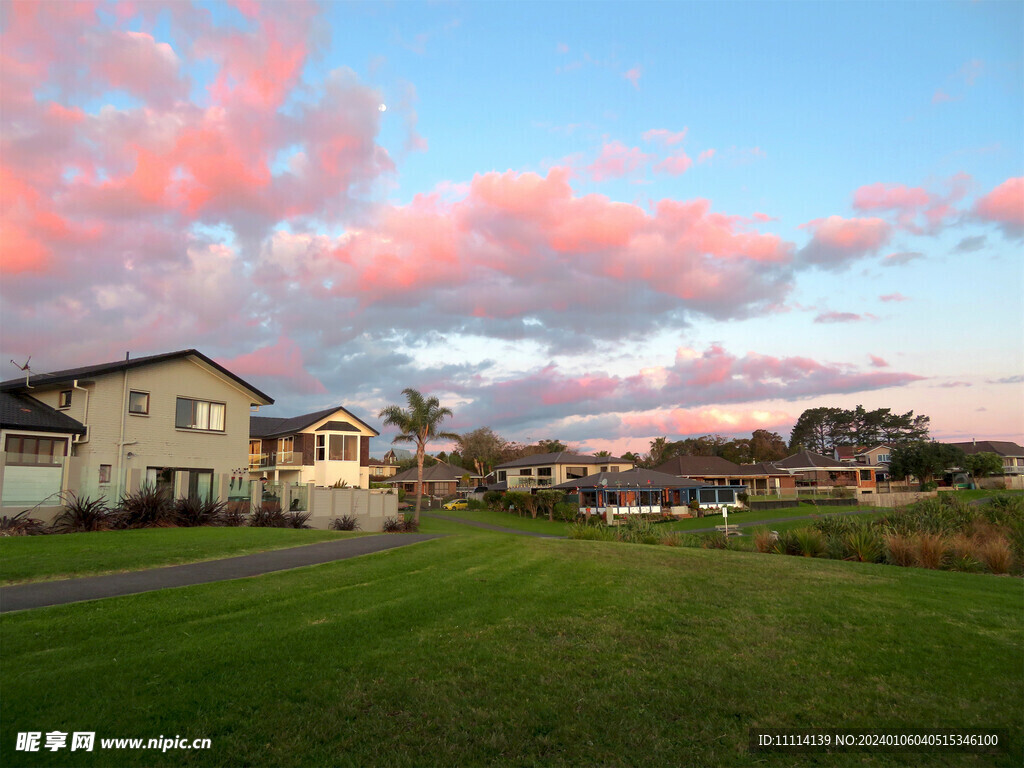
[39, 558]
[967, 495]
[505, 520]
[493, 649]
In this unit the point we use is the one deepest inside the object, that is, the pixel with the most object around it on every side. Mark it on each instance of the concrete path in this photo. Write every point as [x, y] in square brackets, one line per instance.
[19, 597]
[490, 527]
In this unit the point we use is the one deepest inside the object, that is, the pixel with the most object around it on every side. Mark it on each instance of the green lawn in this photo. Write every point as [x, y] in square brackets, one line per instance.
[504, 519]
[37, 558]
[492, 649]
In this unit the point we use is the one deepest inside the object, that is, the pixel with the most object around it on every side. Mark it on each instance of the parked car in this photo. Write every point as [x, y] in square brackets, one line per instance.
[457, 504]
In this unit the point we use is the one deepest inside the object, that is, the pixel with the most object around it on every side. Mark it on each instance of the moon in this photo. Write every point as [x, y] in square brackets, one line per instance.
[382, 107]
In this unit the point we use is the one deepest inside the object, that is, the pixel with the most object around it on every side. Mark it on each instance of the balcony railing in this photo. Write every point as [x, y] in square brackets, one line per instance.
[527, 481]
[275, 459]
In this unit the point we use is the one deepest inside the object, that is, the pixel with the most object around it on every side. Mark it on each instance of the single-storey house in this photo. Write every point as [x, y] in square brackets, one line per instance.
[646, 491]
[549, 469]
[324, 447]
[714, 470]
[439, 479]
[36, 442]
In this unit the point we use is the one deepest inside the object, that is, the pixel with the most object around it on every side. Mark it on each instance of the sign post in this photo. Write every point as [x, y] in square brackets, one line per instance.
[725, 516]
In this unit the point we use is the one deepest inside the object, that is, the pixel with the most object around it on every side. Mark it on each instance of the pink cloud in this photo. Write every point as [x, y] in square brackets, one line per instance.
[941, 97]
[838, 317]
[875, 197]
[894, 297]
[664, 137]
[633, 75]
[878, 362]
[675, 165]
[910, 203]
[706, 156]
[837, 241]
[617, 160]
[281, 363]
[1004, 205]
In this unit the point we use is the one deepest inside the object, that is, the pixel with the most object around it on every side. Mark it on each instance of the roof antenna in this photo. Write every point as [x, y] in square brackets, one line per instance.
[27, 369]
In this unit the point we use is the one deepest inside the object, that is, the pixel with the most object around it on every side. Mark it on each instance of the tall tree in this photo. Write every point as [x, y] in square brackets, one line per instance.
[603, 454]
[818, 429]
[419, 423]
[767, 446]
[924, 460]
[983, 464]
[482, 449]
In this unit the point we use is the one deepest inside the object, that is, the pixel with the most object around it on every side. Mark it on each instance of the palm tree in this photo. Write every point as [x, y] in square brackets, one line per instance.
[417, 424]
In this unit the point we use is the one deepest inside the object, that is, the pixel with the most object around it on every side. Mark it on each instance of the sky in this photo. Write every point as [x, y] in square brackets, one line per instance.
[593, 222]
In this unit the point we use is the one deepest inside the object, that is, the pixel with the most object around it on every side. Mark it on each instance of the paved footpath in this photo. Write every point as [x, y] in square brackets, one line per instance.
[19, 597]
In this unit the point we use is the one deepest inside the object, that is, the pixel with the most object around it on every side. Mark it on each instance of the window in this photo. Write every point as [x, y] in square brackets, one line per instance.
[343, 448]
[104, 474]
[604, 469]
[883, 458]
[575, 472]
[64, 399]
[525, 471]
[865, 474]
[285, 444]
[22, 449]
[199, 414]
[138, 403]
[544, 472]
[501, 476]
[321, 447]
[613, 469]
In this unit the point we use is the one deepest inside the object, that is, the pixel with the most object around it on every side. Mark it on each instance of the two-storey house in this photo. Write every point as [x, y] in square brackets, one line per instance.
[326, 447]
[547, 469]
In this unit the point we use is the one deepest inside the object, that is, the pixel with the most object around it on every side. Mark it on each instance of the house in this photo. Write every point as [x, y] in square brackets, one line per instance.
[1011, 453]
[36, 443]
[815, 470]
[439, 479]
[381, 469]
[714, 470]
[547, 469]
[178, 421]
[877, 457]
[646, 491]
[325, 447]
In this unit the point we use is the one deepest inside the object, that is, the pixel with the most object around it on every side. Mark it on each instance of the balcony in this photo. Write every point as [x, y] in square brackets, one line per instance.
[527, 481]
[274, 460]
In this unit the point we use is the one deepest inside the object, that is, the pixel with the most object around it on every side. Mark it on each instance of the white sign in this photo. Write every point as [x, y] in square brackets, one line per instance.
[725, 512]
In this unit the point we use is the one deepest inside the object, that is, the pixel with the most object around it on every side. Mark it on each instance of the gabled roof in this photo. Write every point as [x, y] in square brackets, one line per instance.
[631, 478]
[1000, 447]
[811, 460]
[699, 466]
[273, 426]
[563, 457]
[761, 468]
[438, 472]
[24, 412]
[103, 369]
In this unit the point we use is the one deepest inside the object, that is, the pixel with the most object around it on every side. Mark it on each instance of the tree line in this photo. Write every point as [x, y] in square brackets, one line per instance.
[824, 429]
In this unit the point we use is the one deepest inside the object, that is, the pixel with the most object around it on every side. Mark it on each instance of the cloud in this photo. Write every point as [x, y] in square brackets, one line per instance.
[878, 362]
[838, 317]
[836, 242]
[617, 160]
[633, 75]
[705, 156]
[893, 297]
[1004, 206]
[901, 258]
[664, 137]
[915, 209]
[1009, 380]
[971, 244]
[941, 97]
[280, 365]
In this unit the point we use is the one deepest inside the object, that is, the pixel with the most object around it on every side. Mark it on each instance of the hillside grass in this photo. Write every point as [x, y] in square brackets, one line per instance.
[492, 649]
[41, 558]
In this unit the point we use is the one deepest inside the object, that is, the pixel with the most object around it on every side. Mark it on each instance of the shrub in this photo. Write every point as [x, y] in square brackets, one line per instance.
[764, 539]
[345, 523]
[964, 554]
[234, 514]
[899, 549]
[493, 499]
[82, 514]
[810, 542]
[694, 506]
[567, 511]
[716, 540]
[518, 502]
[393, 525]
[930, 551]
[786, 544]
[409, 525]
[996, 555]
[268, 516]
[190, 513]
[834, 525]
[547, 500]
[863, 545]
[145, 508]
[296, 519]
[21, 525]
[743, 498]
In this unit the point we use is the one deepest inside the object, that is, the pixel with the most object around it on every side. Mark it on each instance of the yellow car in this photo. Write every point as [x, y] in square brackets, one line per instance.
[457, 504]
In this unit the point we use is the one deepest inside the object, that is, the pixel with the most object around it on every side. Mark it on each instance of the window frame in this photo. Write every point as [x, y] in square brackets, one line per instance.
[346, 453]
[20, 452]
[63, 403]
[138, 392]
[194, 427]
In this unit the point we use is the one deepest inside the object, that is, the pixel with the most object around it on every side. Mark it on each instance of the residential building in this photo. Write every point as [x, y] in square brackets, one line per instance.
[439, 478]
[1011, 453]
[547, 469]
[381, 469]
[326, 447]
[36, 442]
[646, 491]
[178, 421]
[815, 470]
[714, 470]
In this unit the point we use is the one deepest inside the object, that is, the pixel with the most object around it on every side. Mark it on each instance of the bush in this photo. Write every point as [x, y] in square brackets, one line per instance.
[997, 556]
[234, 514]
[964, 554]
[518, 502]
[864, 545]
[297, 519]
[899, 549]
[21, 525]
[493, 499]
[743, 498]
[786, 544]
[83, 514]
[809, 542]
[190, 513]
[145, 508]
[400, 525]
[567, 511]
[764, 539]
[930, 551]
[345, 523]
[715, 541]
[268, 516]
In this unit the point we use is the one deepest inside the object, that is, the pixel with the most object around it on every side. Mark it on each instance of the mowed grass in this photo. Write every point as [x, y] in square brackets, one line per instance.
[39, 558]
[540, 524]
[492, 649]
